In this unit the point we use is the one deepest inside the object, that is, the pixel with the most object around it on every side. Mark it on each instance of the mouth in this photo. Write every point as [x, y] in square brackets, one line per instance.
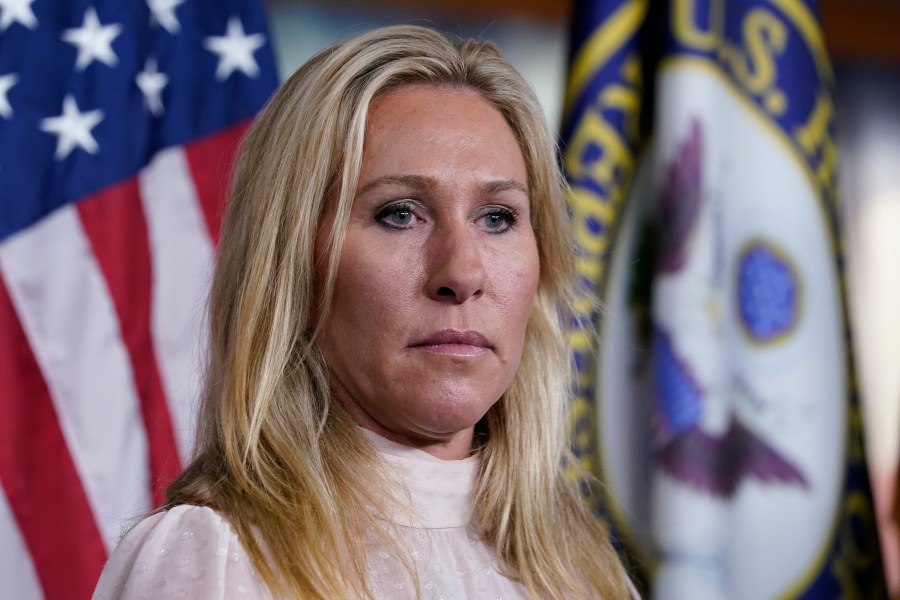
[454, 343]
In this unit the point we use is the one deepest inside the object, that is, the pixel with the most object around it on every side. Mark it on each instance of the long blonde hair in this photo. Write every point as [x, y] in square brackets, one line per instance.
[276, 455]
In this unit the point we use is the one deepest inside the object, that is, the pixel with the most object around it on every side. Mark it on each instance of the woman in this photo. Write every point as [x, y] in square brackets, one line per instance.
[385, 410]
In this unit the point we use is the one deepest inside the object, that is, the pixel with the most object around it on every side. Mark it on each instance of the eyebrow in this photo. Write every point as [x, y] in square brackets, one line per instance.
[502, 185]
[423, 182]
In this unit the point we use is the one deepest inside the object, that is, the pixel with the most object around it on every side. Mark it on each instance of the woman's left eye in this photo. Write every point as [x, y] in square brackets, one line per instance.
[498, 220]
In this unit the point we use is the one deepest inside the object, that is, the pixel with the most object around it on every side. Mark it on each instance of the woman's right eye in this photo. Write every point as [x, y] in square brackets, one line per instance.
[397, 216]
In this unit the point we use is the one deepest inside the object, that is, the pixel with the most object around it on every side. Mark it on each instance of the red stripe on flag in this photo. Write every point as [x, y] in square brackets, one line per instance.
[116, 227]
[38, 475]
[212, 160]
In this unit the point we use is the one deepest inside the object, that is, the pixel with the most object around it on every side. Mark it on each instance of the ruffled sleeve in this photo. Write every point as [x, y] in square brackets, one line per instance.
[186, 552]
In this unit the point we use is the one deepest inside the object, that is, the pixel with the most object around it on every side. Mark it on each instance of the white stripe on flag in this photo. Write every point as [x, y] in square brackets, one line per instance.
[17, 574]
[182, 257]
[66, 311]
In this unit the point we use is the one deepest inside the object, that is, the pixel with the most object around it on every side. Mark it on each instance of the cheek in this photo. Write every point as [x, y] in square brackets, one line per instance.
[371, 293]
[518, 283]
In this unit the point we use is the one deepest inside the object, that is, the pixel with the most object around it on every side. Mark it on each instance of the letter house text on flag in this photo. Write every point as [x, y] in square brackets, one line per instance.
[717, 401]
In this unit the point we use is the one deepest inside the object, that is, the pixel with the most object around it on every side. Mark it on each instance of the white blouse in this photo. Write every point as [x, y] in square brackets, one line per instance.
[192, 552]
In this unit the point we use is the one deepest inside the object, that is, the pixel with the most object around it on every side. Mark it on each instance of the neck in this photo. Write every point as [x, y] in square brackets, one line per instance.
[454, 446]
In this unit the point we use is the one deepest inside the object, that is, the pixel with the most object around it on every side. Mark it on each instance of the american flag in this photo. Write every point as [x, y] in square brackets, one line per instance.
[119, 121]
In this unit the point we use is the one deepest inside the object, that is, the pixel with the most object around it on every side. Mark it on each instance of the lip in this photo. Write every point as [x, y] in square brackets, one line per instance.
[454, 342]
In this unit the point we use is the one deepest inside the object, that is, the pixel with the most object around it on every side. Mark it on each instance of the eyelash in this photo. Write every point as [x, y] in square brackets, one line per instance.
[509, 215]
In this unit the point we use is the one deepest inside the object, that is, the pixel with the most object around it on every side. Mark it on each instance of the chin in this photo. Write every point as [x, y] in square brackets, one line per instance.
[452, 415]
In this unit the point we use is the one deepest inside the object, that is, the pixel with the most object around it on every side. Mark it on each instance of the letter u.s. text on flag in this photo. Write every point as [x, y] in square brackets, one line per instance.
[119, 122]
[721, 386]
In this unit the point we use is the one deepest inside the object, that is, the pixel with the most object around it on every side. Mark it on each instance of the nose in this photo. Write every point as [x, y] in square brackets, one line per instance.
[455, 265]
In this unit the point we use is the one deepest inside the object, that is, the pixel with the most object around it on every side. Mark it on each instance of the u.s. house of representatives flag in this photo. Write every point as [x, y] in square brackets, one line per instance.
[119, 120]
[699, 146]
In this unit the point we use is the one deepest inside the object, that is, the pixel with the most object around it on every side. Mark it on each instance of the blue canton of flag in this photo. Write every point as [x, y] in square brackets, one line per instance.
[119, 122]
[90, 91]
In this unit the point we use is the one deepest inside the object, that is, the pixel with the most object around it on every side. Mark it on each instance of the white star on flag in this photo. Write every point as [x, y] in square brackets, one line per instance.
[152, 82]
[17, 11]
[164, 14]
[93, 40]
[235, 50]
[73, 128]
[6, 82]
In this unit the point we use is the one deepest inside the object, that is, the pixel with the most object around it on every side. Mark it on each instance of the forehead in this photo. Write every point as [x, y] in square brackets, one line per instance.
[421, 127]
[435, 102]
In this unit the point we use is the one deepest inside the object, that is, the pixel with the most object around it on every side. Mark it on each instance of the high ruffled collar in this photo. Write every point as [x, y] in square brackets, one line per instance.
[440, 490]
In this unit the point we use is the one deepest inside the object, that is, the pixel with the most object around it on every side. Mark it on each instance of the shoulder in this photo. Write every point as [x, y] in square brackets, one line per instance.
[184, 552]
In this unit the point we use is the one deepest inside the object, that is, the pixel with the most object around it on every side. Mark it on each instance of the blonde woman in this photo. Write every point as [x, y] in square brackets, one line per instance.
[385, 406]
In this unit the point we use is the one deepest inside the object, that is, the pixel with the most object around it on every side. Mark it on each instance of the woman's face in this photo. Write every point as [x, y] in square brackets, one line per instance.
[438, 270]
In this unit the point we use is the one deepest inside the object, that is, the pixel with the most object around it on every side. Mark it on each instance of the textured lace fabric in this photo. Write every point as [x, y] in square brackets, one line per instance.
[451, 561]
[192, 552]
[187, 552]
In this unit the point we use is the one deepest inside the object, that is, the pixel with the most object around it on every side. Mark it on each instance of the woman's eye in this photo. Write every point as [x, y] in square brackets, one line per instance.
[498, 220]
[397, 216]
[400, 217]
